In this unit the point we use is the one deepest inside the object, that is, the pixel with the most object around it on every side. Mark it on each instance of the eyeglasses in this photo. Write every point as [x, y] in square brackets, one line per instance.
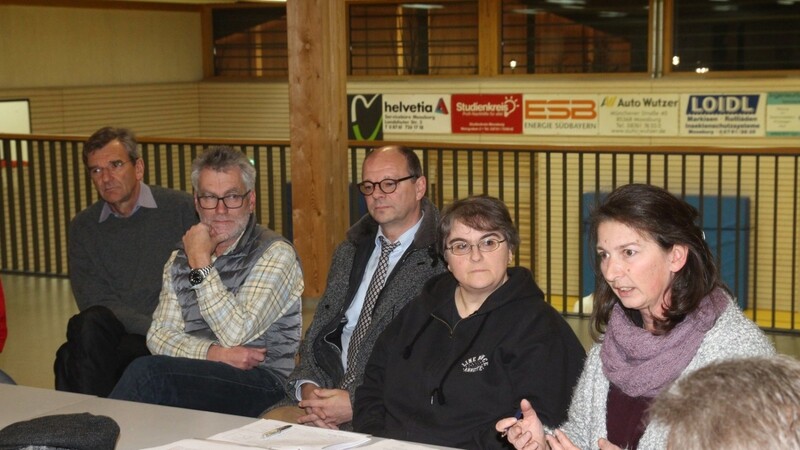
[231, 201]
[113, 167]
[387, 186]
[484, 246]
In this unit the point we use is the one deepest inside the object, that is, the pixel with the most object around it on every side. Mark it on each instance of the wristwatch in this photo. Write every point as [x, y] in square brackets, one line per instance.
[196, 276]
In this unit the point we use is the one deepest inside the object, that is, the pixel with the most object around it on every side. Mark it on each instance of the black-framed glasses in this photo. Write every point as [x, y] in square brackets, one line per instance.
[231, 201]
[113, 167]
[387, 186]
[487, 245]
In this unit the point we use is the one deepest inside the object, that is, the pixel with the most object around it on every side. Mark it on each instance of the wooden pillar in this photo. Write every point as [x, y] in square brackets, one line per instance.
[318, 133]
[489, 12]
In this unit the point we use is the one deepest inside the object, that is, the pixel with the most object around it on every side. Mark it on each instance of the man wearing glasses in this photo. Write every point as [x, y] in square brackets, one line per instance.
[228, 322]
[382, 264]
[117, 250]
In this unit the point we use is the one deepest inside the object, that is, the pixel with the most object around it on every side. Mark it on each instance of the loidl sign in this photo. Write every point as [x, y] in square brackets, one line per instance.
[723, 115]
[725, 104]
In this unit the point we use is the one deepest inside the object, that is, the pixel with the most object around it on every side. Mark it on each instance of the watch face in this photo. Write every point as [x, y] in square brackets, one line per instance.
[196, 277]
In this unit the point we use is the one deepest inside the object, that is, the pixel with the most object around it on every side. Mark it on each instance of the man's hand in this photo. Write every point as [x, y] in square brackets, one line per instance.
[325, 408]
[199, 243]
[244, 358]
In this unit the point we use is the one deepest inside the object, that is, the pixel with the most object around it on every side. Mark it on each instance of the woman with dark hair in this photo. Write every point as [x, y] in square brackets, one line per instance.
[660, 312]
[474, 343]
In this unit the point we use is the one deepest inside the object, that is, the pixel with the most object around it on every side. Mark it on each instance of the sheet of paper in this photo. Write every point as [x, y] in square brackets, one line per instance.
[201, 444]
[296, 437]
[391, 444]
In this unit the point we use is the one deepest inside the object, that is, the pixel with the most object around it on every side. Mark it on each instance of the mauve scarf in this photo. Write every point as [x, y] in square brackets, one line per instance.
[640, 363]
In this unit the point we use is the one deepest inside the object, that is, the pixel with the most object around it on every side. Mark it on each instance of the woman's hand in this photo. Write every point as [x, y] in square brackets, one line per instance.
[559, 441]
[526, 433]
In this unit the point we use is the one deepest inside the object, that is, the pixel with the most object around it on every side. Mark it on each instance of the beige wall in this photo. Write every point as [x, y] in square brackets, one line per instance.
[60, 46]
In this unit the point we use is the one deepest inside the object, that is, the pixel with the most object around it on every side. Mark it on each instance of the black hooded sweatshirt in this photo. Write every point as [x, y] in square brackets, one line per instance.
[436, 378]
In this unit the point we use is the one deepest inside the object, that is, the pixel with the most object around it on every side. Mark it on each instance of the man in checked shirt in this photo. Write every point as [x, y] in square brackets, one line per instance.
[228, 322]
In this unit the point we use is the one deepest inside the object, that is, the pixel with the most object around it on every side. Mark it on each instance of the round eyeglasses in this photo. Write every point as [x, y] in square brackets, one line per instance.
[484, 246]
[231, 201]
[387, 186]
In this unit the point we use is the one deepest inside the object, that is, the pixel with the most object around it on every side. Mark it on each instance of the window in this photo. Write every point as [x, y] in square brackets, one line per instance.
[413, 38]
[736, 35]
[401, 38]
[574, 36]
[250, 42]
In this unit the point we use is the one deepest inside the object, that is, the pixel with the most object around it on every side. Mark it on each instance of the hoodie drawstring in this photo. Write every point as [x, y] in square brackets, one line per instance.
[439, 391]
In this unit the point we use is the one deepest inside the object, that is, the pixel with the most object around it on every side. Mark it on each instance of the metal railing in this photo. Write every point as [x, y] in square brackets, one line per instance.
[44, 184]
[748, 200]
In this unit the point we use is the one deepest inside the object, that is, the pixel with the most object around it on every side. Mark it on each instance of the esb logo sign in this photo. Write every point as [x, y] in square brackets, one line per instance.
[560, 109]
[548, 115]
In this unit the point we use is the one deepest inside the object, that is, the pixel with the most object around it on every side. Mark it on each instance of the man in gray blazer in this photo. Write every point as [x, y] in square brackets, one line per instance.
[393, 248]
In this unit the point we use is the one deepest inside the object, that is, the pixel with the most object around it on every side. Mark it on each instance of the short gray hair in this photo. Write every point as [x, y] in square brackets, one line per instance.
[221, 157]
[734, 404]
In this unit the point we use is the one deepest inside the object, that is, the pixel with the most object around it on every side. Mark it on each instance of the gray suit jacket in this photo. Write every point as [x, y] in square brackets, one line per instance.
[320, 352]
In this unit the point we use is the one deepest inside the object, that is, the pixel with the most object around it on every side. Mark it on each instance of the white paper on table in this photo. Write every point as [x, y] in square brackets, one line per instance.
[391, 444]
[201, 444]
[297, 437]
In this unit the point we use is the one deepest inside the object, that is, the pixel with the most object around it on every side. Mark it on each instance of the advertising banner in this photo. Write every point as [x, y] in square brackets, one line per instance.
[416, 114]
[639, 115]
[783, 114]
[572, 115]
[487, 113]
[364, 119]
[722, 115]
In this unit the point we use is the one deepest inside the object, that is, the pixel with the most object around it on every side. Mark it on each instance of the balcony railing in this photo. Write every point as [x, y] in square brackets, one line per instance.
[748, 200]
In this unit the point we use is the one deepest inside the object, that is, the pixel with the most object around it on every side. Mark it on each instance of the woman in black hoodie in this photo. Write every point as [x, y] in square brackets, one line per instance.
[476, 341]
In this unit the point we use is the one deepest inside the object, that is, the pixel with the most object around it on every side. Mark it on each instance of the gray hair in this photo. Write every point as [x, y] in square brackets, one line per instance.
[221, 157]
[104, 135]
[734, 404]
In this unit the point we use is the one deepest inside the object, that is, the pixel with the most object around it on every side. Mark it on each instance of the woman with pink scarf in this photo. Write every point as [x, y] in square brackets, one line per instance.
[661, 311]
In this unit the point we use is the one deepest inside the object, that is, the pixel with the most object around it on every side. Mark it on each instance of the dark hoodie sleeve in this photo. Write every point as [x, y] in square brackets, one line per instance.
[369, 412]
[545, 359]
[547, 366]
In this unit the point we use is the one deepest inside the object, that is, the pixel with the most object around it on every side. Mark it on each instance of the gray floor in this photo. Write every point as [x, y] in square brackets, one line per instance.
[38, 309]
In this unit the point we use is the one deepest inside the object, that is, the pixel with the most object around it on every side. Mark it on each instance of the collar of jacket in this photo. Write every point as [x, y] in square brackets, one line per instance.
[367, 227]
[519, 286]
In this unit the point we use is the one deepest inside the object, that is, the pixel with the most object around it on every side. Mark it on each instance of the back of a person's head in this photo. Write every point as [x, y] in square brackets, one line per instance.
[749, 403]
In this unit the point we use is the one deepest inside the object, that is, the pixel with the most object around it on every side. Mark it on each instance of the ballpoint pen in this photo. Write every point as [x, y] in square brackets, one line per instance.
[517, 416]
[275, 431]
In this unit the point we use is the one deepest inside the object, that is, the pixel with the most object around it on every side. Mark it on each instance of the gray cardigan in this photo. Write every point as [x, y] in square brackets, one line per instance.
[320, 353]
[119, 263]
[733, 336]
